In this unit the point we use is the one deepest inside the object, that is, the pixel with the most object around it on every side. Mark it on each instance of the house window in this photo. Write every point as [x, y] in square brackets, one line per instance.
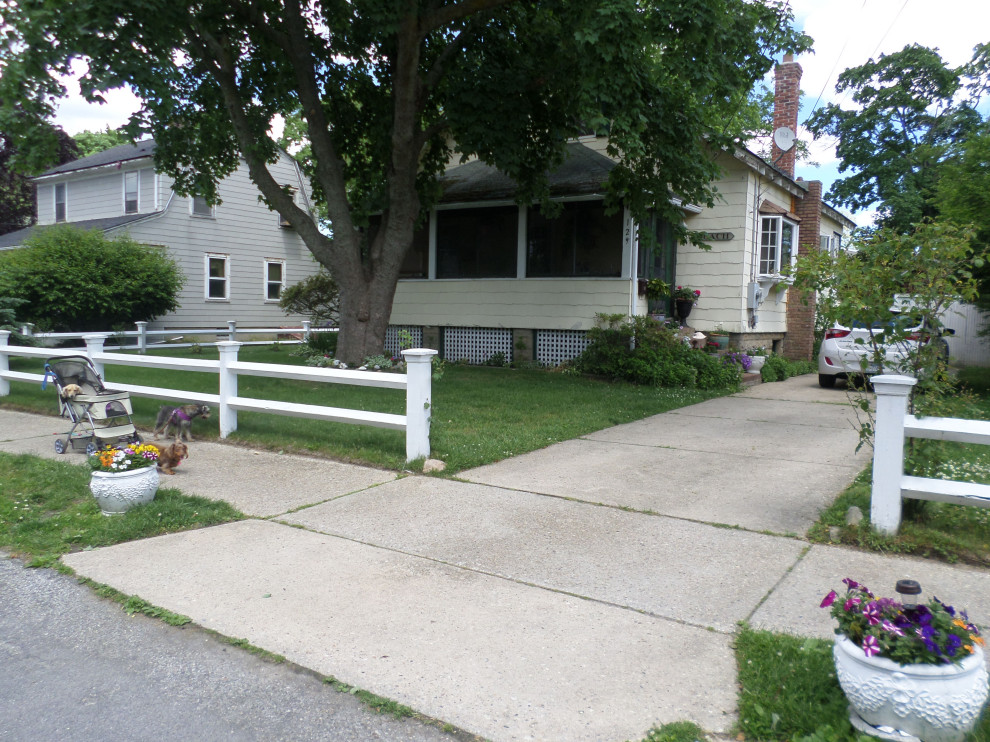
[217, 277]
[477, 243]
[200, 207]
[131, 192]
[60, 202]
[274, 279]
[581, 241]
[778, 244]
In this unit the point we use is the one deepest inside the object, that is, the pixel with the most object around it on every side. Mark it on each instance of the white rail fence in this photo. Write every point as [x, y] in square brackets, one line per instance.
[417, 383]
[143, 337]
[893, 425]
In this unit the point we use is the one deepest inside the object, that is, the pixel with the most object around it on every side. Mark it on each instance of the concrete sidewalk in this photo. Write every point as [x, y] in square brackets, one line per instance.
[582, 592]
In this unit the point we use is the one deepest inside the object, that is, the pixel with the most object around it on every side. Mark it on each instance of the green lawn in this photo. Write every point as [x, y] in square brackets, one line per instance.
[480, 415]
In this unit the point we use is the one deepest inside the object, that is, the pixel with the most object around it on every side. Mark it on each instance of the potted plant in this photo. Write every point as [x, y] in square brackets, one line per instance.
[757, 357]
[124, 477]
[720, 336]
[917, 668]
[684, 300]
[656, 291]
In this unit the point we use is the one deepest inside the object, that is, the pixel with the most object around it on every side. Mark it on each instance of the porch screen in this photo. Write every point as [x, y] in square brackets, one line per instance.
[477, 243]
[582, 241]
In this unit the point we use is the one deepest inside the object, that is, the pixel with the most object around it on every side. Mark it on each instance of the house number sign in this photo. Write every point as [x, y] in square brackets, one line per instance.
[717, 236]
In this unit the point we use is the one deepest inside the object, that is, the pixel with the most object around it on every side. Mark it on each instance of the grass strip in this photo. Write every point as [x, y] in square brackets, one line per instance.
[47, 510]
[480, 414]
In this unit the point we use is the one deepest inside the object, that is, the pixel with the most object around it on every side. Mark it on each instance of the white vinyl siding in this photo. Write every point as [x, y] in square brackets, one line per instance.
[274, 279]
[217, 279]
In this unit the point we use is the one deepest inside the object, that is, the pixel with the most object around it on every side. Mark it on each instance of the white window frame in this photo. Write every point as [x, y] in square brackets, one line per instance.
[192, 208]
[65, 202]
[137, 191]
[776, 245]
[207, 278]
[266, 281]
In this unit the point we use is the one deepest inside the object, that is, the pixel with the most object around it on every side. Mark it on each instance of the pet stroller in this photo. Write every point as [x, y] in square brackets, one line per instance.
[100, 417]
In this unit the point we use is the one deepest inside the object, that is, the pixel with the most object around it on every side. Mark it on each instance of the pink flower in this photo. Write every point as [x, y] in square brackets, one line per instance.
[851, 603]
[829, 599]
[872, 614]
[870, 646]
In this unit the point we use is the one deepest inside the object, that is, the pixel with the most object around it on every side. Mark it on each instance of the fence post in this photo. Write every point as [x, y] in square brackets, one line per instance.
[419, 401]
[4, 362]
[888, 450]
[228, 386]
[306, 325]
[232, 330]
[142, 330]
[94, 345]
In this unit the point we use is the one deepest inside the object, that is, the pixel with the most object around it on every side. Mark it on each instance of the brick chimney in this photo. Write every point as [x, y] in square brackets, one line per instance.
[786, 99]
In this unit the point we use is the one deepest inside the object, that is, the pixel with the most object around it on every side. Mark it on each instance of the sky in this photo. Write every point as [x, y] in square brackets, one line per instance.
[847, 33]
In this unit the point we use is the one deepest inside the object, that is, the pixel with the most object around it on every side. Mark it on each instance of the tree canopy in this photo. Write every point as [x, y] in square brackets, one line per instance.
[71, 280]
[385, 89]
[91, 142]
[17, 201]
[911, 113]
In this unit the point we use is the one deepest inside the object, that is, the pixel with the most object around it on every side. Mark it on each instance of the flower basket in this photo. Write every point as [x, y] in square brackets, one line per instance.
[917, 669]
[118, 492]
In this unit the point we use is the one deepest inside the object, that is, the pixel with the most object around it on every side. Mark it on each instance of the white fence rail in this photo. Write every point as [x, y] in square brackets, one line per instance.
[893, 425]
[416, 382]
[143, 337]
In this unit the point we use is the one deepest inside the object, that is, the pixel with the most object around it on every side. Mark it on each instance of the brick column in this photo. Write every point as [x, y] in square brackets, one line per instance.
[800, 339]
[786, 102]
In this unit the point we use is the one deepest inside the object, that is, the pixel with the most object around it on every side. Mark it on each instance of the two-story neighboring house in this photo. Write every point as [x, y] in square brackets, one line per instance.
[488, 277]
[236, 256]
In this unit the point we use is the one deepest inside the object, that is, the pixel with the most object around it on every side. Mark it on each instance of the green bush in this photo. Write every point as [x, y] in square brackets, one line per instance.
[73, 280]
[778, 368]
[316, 296]
[643, 351]
[322, 343]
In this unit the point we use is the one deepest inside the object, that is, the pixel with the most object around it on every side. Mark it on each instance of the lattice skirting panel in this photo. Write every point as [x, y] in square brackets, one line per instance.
[392, 343]
[553, 347]
[476, 344]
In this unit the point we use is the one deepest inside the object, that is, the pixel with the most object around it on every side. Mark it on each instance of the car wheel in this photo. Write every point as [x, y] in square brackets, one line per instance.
[826, 381]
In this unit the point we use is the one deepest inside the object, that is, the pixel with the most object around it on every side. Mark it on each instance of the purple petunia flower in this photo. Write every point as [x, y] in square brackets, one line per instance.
[891, 628]
[872, 614]
[948, 608]
[870, 645]
[851, 584]
[829, 599]
[851, 603]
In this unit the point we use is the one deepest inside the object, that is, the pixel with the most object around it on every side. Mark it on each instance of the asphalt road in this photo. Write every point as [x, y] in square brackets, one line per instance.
[74, 666]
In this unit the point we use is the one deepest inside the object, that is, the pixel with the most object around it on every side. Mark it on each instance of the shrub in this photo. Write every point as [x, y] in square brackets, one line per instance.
[643, 351]
[778, 368]
[316, 296]
[73, 280]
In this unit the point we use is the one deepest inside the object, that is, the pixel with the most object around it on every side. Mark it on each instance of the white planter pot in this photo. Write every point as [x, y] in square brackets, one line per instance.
[118, 492]
[756, 363]
[936, 703]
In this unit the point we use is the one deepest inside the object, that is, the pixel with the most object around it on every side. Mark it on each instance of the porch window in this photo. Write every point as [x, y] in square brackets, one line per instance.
[131, 192]
[274, 279]
[778, 244]
[581, 241]
[60, 202]
[477, 243]
[217, 277]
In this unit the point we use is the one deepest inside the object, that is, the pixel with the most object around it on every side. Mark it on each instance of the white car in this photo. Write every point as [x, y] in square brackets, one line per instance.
[847, 351]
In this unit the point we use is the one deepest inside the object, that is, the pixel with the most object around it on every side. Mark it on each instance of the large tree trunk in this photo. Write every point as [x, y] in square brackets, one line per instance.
[365, 309]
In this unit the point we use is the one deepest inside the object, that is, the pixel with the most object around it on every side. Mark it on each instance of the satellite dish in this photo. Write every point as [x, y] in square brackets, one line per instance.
[784, 137]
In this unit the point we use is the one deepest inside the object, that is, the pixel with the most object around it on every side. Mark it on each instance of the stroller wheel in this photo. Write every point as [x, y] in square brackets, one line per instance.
[91, 448]
[59, 445]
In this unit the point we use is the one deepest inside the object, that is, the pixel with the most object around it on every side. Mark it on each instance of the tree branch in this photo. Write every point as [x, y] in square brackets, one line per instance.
[455, 12]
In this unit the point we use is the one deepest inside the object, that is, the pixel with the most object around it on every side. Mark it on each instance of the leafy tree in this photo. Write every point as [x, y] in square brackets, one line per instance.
[385, 88]
[17, 200]
[910, 110]
[316, 295]
[920, 273]
[73, 280]
[91, 142]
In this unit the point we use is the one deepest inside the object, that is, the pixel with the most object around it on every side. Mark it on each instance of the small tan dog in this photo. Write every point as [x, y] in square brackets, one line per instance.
[179, 419]
[169, 457]
[69, 391]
